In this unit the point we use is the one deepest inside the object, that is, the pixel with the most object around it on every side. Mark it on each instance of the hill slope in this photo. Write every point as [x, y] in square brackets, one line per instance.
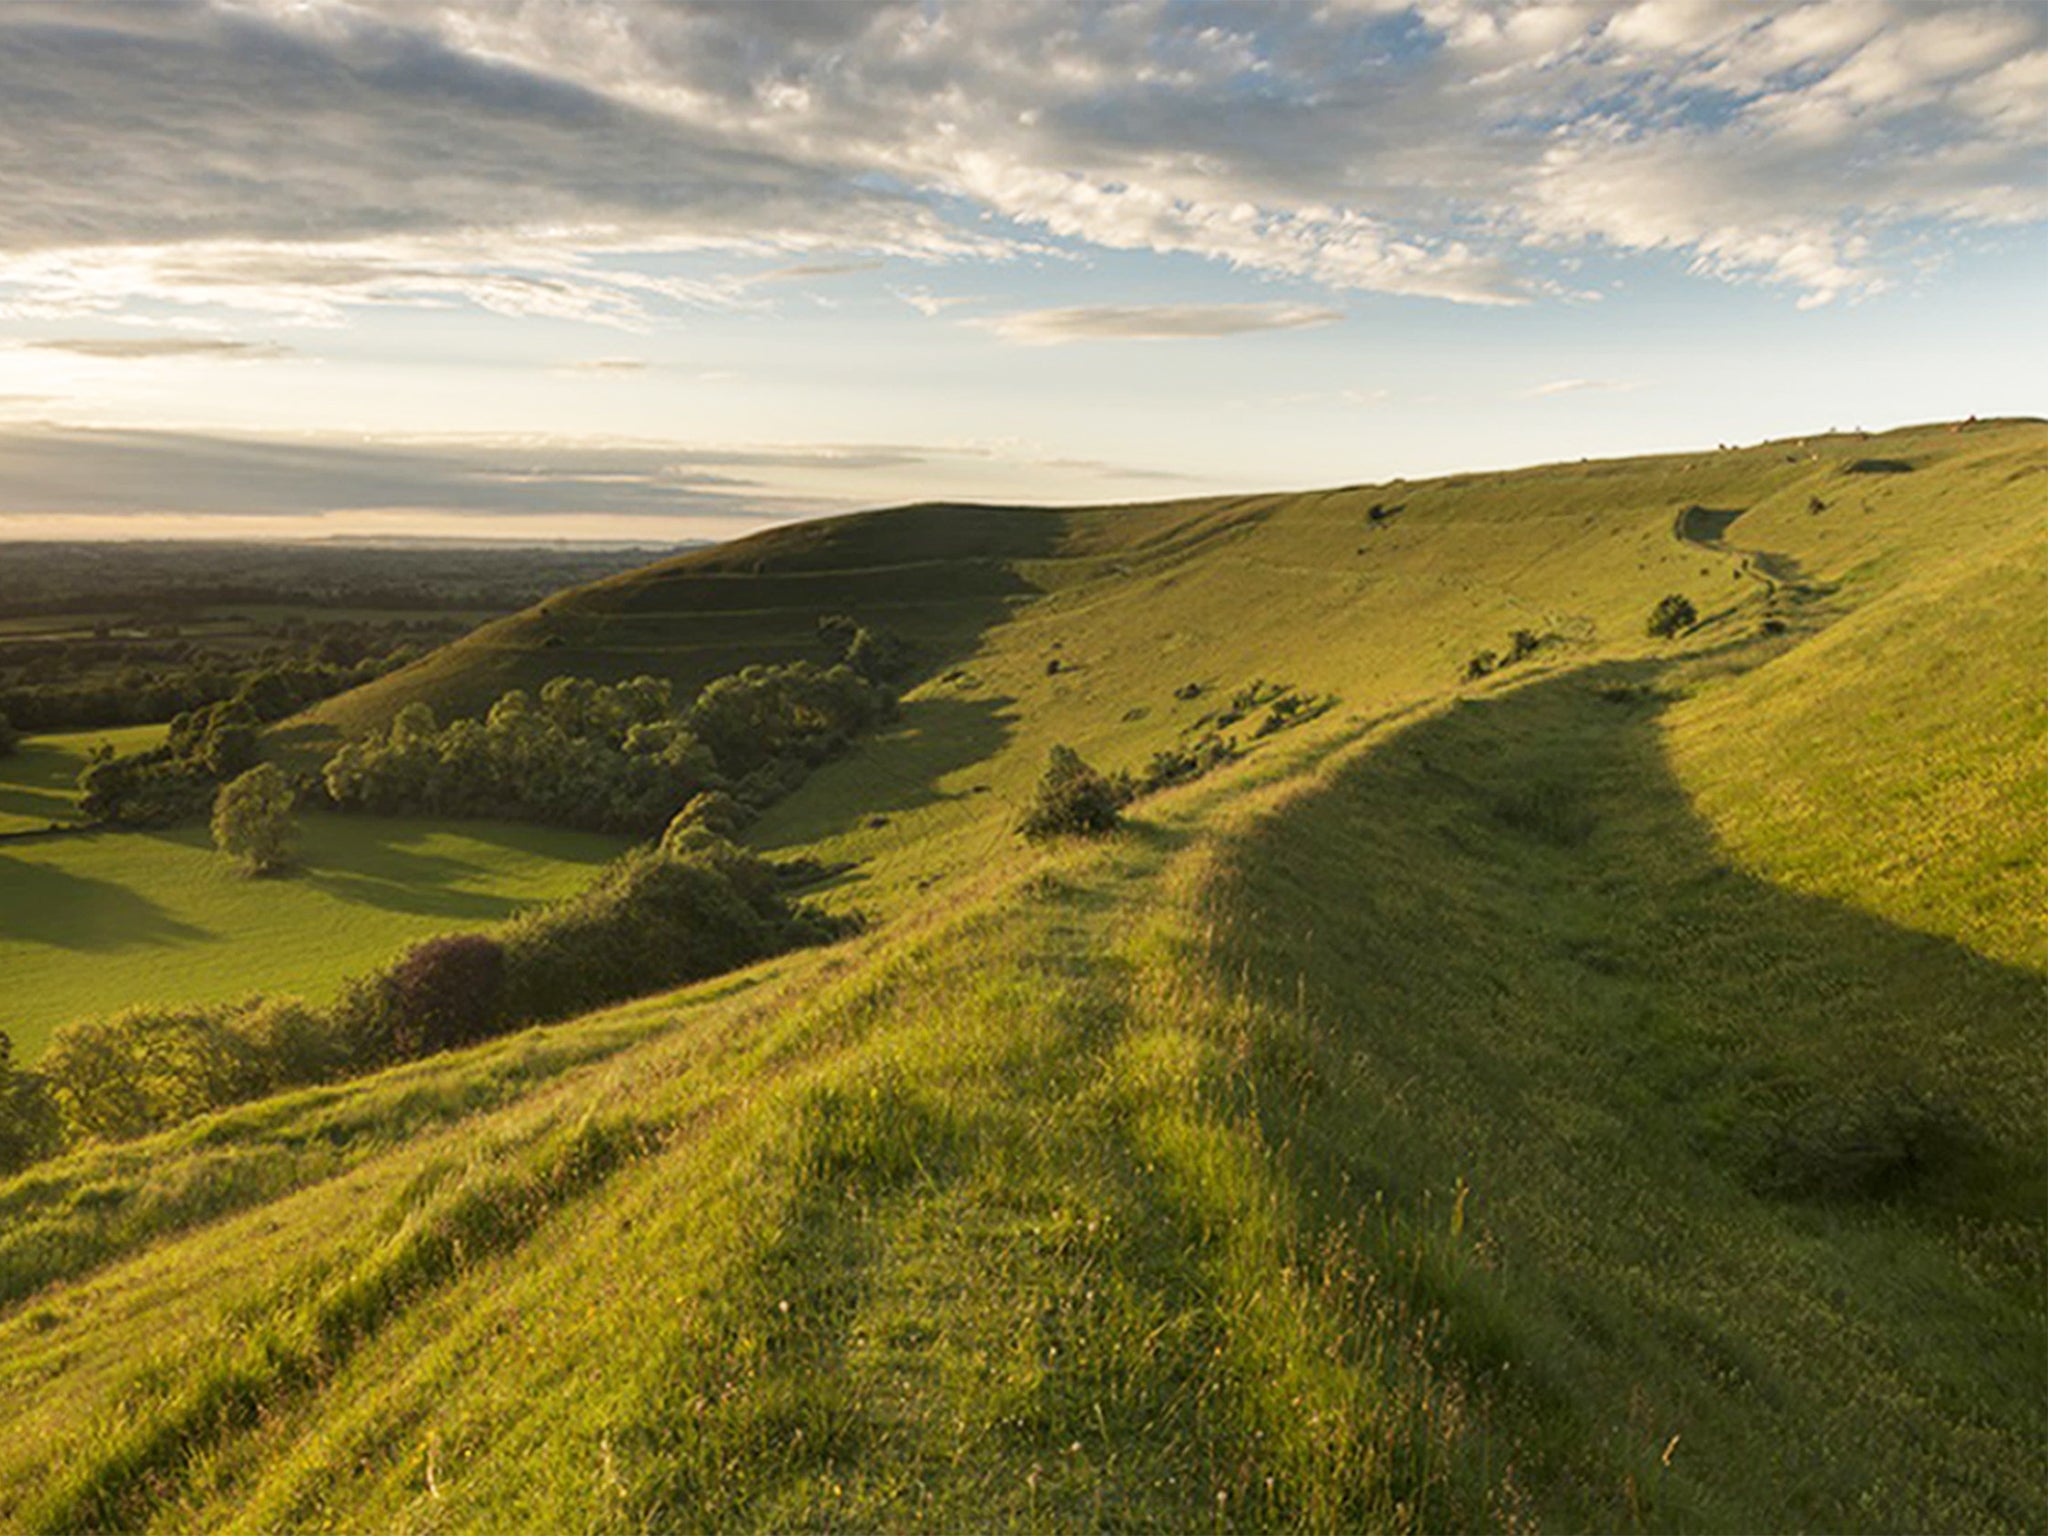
[1543, 1100]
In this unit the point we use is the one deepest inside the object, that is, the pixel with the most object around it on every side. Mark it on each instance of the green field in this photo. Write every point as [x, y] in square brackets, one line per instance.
[39, 782]
[94, 922]
[1606, 1095]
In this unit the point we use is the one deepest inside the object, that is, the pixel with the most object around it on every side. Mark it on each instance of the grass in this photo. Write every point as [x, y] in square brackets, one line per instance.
[39, 782]
[94, 922]
[1543, 1102]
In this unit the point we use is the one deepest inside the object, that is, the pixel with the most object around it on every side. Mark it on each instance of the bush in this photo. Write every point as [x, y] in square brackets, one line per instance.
[713, 812]
[653, 920]
[445, 992]
[253, 822]
[10, 738]
[1671, 615]
[1072, 800]
[151, 1067]
[30, 1125]
[1481, 665]
[1179, 765]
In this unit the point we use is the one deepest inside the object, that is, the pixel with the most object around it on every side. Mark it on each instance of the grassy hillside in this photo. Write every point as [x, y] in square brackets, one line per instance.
[93, 923]
[1546, 1101]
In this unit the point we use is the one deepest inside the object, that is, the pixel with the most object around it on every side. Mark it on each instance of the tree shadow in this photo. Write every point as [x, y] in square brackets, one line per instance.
[1518, 962]
[371, 870]
[899, 769]
[44, 904]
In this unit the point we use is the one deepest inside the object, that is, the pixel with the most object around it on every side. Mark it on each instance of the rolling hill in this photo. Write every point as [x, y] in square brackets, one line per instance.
[1604, 1092]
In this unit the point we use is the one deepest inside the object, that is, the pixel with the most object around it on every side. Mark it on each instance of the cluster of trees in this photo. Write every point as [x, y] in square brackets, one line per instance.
[623, 757]
[205, 748]
[47, 697]
[662, 916]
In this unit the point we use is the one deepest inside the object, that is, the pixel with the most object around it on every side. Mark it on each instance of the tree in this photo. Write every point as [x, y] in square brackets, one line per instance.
[10, 739]
[253, 822]
[446, 992]
[1072, 800]
[1672, 614]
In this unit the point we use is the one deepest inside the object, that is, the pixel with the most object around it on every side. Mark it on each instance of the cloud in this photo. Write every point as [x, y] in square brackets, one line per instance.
[535, 157]
[928, 304]
[58, 470]
[1580, 386]
[606, 365]
[144, 347]
[806, 271]
[1153, 322]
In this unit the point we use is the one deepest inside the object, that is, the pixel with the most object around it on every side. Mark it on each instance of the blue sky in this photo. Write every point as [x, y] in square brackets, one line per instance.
[631, 268]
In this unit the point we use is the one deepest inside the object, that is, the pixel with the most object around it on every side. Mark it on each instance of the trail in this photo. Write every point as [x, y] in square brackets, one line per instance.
[1781, 577]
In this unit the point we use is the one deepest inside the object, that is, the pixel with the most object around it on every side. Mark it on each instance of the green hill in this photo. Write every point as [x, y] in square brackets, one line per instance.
[1603, 1093]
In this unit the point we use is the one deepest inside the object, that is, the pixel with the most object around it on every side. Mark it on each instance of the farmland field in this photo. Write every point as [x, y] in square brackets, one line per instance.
[94, 922]
[39, 783]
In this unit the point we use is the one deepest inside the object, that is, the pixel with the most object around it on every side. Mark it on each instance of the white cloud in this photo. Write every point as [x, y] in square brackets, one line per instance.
[606, 365]
[1581, 386]
[144, 348]
[1153, 322]
[534, 157]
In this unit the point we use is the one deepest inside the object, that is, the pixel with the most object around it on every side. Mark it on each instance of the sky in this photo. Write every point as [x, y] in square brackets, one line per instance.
[651, 270]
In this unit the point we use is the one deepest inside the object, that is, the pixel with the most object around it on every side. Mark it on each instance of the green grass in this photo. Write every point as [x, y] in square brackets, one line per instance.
[1605, 1097]
[39, 782]
[97, 921]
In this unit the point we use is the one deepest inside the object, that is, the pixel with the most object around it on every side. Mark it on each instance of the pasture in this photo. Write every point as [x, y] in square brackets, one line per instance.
[96, 921]
[39, 783]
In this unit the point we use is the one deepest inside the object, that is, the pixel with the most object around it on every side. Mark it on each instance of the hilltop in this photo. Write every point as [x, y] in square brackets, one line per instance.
[1600, 1089]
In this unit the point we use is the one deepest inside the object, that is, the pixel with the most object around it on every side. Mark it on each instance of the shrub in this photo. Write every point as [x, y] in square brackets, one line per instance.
[151, 1067]
[30, 1125]
[714, 811]
[1178, 765]
[1523, 643]
[652, 920]
[1671, 615]
[445, 992]
[1072, 799]
[10, 738]
[253, 822]
[1481, 664]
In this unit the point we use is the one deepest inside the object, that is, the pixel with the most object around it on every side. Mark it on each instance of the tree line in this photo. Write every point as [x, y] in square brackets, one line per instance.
[612, 757]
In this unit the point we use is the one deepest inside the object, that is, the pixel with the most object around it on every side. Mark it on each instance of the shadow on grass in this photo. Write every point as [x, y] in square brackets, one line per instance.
[1724, 1141]
[362, 863]
[43, 904]
[900, 769]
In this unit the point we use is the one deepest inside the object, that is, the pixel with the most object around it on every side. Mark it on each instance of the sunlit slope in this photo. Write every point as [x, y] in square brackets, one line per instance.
[1213, 576]
[1313, 591]
[936, 574]
[1434, 1120]
[1899, 761]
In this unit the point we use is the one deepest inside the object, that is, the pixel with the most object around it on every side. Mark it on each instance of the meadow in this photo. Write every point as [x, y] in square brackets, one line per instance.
[1543, 1099]
[93, 922]
[39, 781]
